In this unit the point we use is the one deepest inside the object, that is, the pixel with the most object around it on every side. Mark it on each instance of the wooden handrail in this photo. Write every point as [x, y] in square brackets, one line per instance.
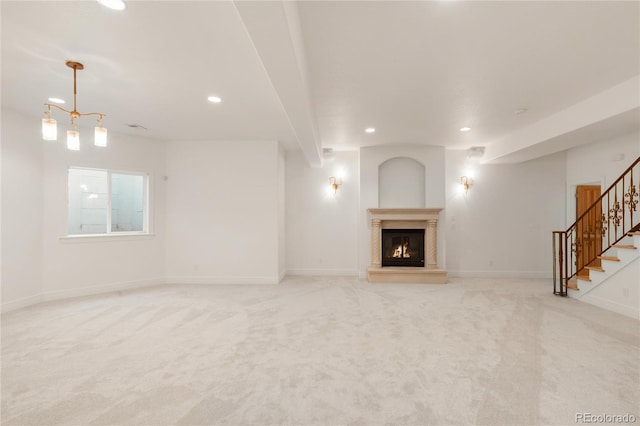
[607, 191]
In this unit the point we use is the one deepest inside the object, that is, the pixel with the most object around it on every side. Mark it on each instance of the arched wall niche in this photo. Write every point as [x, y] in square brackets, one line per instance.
[401, 183]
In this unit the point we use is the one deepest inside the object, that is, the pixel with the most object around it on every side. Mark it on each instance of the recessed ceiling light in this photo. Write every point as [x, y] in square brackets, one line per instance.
[369, 130]
[465, 129]
[56, 100]
[113, 4]
[214, 99]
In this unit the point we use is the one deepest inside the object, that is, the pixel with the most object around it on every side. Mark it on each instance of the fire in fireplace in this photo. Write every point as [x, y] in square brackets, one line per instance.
[403, 247]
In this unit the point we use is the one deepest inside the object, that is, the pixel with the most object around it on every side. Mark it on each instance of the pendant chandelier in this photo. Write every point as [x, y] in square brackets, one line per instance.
[49, 125]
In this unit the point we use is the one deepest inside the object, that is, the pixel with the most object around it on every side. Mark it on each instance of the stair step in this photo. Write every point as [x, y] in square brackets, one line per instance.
[631, 234]
[572, 285]
[625, 246]
[585, 279]
[595, 268]
[611, 258]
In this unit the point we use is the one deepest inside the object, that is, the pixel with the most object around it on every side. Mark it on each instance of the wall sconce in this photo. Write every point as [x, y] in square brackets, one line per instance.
[466, 183]
[335, 183]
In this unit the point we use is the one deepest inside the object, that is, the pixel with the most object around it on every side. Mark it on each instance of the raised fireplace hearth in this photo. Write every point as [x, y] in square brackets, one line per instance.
[404, 246]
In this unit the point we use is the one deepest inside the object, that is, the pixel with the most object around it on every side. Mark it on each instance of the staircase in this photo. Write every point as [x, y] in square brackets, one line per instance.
[617, 258]
[602, 242]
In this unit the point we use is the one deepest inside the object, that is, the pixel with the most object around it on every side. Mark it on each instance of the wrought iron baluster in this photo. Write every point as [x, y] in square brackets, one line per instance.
[566, 268]
[553, 259]
[623, 215]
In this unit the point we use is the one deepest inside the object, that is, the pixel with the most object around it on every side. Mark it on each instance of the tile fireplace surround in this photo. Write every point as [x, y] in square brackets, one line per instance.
[426, 219]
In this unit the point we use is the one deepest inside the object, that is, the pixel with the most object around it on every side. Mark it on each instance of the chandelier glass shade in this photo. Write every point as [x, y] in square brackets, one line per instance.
[73, 140]
[50, 127]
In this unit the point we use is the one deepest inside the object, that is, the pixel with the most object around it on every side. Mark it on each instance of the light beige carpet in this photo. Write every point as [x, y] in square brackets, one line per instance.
[319, 351]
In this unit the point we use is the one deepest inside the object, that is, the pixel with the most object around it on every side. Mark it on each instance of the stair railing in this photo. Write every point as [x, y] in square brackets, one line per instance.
[601, 226]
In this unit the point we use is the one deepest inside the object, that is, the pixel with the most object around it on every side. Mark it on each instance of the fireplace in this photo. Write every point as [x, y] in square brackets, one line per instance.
[403, 247]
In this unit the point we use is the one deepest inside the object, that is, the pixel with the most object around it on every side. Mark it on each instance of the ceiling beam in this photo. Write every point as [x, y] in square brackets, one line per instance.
[275, 31]
[612, 110]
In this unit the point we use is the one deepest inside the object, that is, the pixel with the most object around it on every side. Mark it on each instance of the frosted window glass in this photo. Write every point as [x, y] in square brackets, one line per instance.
[127, 202]
[106, 202]
[87, 202]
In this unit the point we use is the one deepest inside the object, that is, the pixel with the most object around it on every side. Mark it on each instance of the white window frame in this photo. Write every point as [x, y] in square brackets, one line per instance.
[115, 234]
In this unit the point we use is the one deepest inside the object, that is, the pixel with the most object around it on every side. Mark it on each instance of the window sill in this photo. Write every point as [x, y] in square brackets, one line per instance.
[91, 238]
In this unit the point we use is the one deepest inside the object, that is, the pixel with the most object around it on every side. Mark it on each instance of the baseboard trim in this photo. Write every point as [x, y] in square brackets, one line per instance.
[98, 289]
[51, 296]
[130, 285]
[485, 274]
[235, 280]
[627, 311]
[323, 272]
[21, 303]
[222, 280]
[498, 274]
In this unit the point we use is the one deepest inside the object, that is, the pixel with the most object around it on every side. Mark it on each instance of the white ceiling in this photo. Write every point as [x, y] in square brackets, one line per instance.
[154, 64]
[316, 73]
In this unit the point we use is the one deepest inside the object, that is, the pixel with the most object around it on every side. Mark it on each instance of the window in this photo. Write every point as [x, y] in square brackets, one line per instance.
[107, 202]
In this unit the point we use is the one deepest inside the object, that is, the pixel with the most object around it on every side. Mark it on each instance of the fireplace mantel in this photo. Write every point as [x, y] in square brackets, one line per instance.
[426, 219]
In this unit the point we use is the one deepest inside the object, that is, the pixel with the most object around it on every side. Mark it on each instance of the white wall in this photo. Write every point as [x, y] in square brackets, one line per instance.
[620, 293]
[246, 212]
[322, 227]
[433, 159]
[78, 266]
[598, 163]
[39, 263]
[503, 226]
[22, 213]
[222, 212]
[401, 183]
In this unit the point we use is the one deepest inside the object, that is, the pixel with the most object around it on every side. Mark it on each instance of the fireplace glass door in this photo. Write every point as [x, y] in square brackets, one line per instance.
[403, 247]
